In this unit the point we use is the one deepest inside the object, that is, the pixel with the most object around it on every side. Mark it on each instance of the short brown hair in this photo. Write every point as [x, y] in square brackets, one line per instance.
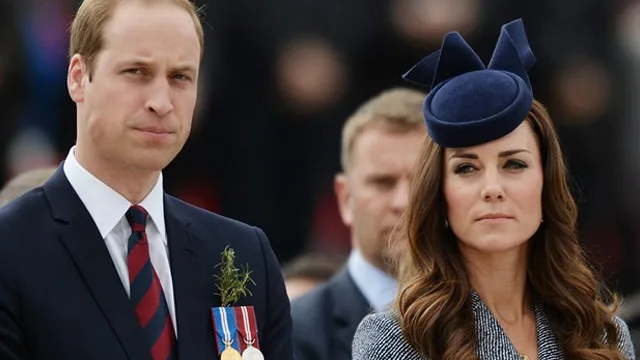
[319, 267]
[24, 182]
[86, 33]
[397, 109]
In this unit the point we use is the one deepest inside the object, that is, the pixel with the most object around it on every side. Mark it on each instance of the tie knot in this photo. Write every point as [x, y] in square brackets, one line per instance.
[137, 218]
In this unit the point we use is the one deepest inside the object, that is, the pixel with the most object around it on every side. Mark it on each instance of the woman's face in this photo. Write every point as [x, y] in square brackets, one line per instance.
[493, 191]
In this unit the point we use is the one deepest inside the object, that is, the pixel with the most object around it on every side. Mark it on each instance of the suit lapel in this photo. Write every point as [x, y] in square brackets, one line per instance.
[193, 288]
[81, 238]
[349, 308]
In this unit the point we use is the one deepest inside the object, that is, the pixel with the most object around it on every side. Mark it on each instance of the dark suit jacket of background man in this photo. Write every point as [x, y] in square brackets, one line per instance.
[61, 297]
[325, 320]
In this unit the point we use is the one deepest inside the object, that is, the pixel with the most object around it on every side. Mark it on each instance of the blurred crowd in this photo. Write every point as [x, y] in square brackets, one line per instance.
[280, 77]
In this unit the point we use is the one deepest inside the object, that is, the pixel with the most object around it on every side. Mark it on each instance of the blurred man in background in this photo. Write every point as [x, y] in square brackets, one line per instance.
[380, 143]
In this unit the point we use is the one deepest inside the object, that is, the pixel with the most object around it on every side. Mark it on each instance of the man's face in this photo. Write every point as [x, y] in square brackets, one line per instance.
[374, 192]
[136, 111]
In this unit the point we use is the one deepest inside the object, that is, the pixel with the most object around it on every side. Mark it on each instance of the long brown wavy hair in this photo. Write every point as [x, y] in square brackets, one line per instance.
[433, 304]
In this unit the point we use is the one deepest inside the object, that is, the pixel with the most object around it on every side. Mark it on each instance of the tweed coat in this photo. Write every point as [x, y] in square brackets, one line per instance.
[379, 337]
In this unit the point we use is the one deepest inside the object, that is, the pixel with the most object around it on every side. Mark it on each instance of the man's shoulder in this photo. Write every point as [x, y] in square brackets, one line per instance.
[28, 214]
[312, 318]
[23, 210]
[311, 305]
[339, 288]
[203, 218]
[215, 231]
[319, 304]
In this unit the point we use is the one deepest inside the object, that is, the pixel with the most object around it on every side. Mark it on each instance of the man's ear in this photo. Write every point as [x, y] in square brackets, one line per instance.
[343, 195]
[77, 77]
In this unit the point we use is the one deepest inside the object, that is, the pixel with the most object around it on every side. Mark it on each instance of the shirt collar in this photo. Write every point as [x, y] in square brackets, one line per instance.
[378, 287]
[105, 205]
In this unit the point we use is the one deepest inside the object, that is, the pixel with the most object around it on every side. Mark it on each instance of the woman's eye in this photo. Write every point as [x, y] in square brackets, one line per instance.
[516, 164]
[464, 169]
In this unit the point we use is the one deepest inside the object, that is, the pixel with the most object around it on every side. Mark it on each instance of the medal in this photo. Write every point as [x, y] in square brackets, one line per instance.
[248, 329]
[251, 353]
[236, 333]
[226, 333]
[230, 353]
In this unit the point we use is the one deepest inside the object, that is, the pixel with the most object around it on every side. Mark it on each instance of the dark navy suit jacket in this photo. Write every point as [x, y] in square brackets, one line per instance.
[61, 297]
[325, 320]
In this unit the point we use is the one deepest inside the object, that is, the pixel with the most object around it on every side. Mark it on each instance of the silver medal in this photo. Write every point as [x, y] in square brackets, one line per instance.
[252, 353]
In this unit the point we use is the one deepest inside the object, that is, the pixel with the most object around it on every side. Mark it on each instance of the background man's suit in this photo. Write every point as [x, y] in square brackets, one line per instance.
[61, 298]
[325, 320]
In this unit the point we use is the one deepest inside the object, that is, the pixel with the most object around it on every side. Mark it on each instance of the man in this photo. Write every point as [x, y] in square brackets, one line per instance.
[24, 182]
[380, 143]
[100, 263]
[308, 271]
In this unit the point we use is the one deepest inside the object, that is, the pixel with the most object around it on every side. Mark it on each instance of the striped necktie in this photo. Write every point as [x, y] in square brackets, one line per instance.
[147, 296]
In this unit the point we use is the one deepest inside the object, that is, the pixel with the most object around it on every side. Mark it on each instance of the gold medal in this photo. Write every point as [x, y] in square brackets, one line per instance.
[252, 353]
[230, 353]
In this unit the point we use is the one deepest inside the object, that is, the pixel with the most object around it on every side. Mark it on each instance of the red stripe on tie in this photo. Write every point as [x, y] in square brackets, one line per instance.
[163, 347]
[137, 259]
[149, 304]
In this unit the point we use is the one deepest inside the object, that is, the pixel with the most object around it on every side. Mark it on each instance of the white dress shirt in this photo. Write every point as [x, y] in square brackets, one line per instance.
[108, 208]
[378, 287]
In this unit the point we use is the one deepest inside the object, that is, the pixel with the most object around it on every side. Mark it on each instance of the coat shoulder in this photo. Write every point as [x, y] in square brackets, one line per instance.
[379, 336]
[624, 339]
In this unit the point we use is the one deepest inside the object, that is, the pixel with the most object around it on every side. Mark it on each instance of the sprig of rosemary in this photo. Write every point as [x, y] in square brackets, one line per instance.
[232, 282]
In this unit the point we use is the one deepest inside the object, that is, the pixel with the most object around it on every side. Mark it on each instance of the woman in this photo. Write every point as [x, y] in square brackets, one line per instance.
[494, 268]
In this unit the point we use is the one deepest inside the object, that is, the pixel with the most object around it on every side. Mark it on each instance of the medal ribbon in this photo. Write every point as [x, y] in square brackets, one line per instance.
[226, 328]
[247, 326]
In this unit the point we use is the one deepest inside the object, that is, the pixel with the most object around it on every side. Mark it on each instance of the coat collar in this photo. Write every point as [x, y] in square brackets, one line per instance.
[493, 340]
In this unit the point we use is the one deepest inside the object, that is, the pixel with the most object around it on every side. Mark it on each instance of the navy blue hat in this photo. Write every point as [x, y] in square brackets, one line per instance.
[468, 103]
